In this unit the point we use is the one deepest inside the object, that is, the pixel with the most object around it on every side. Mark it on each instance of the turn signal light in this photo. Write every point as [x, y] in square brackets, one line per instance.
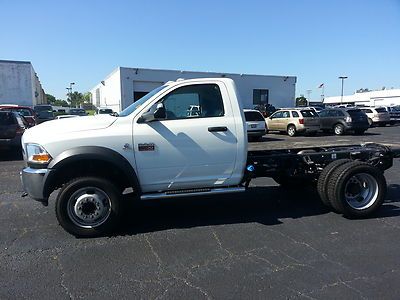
[41, 158]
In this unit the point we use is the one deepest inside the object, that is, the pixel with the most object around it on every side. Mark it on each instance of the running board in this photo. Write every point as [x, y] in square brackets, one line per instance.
[192, 192]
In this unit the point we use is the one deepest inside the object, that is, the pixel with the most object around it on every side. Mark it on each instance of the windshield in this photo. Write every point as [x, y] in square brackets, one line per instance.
[135, 105]
[43, 108]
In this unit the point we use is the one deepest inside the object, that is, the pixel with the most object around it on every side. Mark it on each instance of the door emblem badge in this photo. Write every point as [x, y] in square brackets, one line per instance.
[146, 147]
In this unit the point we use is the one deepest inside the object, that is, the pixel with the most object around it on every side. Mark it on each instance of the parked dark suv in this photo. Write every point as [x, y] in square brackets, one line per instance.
[44, 113]
[342, 120]
[12, 126]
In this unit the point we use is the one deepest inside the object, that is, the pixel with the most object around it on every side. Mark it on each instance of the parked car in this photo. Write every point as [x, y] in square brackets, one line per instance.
[293, 121]
[11, 129]
[255, 122]
[65, 116]
[27, 112]
[377, 116]
[394, 113]
[44, 113]
[78, 112]
[342, 120]
[104, 111]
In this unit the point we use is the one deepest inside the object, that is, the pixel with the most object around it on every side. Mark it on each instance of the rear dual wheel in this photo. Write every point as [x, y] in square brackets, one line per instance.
[354, 189]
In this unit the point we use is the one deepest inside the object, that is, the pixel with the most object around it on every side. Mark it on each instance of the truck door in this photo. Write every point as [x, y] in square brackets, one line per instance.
[188, 150]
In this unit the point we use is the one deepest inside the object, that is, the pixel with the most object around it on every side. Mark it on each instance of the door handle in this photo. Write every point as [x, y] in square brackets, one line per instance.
[218, 128]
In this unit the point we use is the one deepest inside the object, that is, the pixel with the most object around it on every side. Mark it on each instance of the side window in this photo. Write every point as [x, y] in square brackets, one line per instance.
[340, 113]
[332, 113]
[277, 115]
[285, 114]
[194, 101]
[295, 114]
[323, 113]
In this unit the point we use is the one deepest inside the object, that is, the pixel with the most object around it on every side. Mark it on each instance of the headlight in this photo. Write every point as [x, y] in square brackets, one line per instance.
[36, 154]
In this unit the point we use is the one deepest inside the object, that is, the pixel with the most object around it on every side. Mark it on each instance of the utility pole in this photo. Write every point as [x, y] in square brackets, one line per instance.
[70, 92]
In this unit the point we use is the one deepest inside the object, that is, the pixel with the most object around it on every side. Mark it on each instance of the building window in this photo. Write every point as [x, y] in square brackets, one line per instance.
[138, 95]
[97, 97]
[260, 97]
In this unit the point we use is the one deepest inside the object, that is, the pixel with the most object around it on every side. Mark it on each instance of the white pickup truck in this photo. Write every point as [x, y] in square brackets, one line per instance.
[160, 149]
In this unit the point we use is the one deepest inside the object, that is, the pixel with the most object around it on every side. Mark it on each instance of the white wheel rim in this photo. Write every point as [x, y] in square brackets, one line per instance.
[89, 207]
[361, 191]
[338, 129]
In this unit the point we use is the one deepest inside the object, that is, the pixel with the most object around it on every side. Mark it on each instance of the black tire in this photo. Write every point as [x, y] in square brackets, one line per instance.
[291, 130]
[338, 129]
[102, 198]
[323, 179]
[341, 183]
[359, 132]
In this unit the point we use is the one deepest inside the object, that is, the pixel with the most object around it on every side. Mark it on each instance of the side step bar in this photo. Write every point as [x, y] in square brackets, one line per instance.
[192, 192]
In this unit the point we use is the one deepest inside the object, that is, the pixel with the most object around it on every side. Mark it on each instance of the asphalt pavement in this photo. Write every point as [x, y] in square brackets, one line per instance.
[266, 243]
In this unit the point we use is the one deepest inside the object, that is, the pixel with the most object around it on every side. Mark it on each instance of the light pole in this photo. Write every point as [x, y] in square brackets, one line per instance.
[70, 92]
[342, 78]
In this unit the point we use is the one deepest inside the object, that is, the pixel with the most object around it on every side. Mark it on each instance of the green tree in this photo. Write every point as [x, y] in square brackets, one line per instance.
[76, 99]
[60, 102]
[87, 98]
[301, 101]
[50, 99]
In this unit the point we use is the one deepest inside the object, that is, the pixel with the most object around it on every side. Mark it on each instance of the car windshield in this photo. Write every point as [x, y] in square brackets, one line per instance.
[6, 118]
[135, 105]
[25, 112]
[253, 116]
[308, 113]
[381, 110]
[105, 111]
[43, 108]
[355, 112]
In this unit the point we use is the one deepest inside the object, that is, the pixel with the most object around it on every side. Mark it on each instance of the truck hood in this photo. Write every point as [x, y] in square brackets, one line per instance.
[53, 128]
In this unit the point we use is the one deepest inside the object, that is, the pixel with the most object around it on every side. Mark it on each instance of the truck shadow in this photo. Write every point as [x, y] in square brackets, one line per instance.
[264, 205]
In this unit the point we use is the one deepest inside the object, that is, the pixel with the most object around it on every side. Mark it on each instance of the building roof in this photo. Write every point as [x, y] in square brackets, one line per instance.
[365, 96]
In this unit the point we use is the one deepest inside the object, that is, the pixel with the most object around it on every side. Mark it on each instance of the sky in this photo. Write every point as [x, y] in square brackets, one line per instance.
[317, 41]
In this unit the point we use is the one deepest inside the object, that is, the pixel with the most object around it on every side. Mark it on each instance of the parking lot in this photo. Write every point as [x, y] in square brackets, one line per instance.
[267, 242]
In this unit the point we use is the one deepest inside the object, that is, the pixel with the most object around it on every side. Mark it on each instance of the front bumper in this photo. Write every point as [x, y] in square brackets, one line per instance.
[33, 183]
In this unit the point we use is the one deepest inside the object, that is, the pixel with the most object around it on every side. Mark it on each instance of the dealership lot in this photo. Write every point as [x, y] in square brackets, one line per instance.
[268, 242]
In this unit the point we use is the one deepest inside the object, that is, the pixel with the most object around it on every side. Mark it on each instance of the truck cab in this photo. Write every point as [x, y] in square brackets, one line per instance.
[154, 147]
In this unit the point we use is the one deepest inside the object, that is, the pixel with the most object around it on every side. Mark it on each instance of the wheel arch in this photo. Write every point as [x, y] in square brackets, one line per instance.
[291, 124]
[90, 161]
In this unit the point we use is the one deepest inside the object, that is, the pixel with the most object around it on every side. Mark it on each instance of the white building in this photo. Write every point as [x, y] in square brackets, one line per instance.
[373, 98]
[126, 85]
[19, 84]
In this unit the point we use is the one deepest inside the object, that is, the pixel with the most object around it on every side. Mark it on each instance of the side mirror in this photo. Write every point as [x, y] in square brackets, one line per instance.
[153, 115]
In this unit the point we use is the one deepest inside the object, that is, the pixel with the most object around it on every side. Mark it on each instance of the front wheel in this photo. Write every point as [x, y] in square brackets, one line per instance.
[88, 206]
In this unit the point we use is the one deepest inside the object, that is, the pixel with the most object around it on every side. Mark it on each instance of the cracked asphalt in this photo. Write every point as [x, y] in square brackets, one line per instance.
[266, 243]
